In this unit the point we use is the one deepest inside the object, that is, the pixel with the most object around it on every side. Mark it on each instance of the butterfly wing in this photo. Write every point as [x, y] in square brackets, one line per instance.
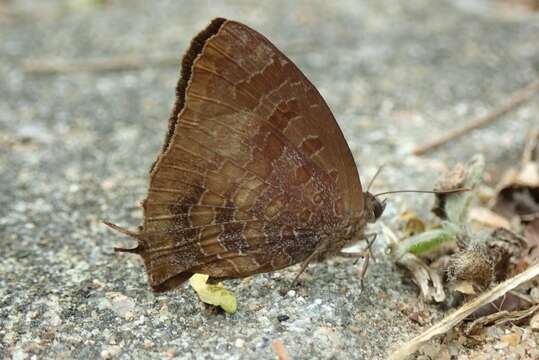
[254, 170]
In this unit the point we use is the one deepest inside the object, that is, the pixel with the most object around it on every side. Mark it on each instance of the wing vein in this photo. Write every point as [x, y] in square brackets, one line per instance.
[223, 53]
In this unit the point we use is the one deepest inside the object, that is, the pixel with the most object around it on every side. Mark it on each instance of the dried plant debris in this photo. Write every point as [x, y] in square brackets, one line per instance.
[473, 266]
[413, 223]
[518, 191]
[455, 318]
[472, 261]
[485, 257]
[427, 279]
[501, 254]
[423, 245]
[481, 217]
[500, 317]
[513, 301]
[531, 234]
[453, 179]
[477, 248]
[529, 5]
[454, 207]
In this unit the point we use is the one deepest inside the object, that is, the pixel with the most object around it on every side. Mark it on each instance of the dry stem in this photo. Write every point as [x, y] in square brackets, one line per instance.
[464, 311]
[518, 98]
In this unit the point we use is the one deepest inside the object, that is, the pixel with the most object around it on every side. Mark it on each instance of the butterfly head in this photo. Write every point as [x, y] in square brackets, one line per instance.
[374, 208]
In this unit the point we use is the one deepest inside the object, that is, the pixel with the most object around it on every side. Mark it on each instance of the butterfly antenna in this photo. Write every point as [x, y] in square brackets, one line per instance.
[440, 192]
[375, 176]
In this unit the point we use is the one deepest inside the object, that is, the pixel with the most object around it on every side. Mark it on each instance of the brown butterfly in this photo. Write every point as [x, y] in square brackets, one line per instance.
[255, 174]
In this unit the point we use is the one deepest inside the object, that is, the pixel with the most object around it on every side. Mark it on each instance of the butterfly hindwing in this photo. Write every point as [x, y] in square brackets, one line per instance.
[255, 170]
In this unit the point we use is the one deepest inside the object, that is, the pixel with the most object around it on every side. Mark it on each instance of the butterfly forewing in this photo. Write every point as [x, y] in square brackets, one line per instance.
[255, 170]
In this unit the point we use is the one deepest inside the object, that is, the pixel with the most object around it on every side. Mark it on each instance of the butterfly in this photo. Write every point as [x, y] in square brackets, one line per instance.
[254, 175]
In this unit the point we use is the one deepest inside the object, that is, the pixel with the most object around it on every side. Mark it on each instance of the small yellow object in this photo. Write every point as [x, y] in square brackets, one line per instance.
[465, 287]
[414, 225]
[213, 294]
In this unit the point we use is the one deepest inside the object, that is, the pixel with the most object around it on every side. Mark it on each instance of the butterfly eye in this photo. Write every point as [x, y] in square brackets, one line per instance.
[378, 208]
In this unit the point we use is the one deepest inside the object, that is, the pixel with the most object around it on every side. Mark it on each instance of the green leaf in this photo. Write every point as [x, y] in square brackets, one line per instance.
[426, 242]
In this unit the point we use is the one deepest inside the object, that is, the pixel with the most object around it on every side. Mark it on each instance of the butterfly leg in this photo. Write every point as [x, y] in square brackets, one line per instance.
[370, 239]
[304, 265]
[363, 272]
[366, 254]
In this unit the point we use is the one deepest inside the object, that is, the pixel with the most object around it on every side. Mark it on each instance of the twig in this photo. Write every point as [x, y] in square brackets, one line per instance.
[467, 309]
[429, 281]
[278, 346]
[115, 63]
[518, 98]
[532, 143]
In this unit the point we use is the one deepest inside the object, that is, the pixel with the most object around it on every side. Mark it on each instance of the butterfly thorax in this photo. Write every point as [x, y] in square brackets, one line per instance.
[352, 228]
[348, 232]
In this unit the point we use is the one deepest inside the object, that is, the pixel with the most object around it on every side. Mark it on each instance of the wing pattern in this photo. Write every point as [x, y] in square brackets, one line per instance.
[255, 171]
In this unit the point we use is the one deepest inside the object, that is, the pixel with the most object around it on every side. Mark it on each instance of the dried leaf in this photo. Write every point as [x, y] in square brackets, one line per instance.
[520, 6]
[510, 302]
[419, 317]
[451, 320]
[212, 294]
[414, 225]
[531, 234]
[506, 248]
[518, 191]
[485, 257]
[474, 266]
[512, 339]
[485, 194]
[428, 280]
[499, 318]
[465, 287]
[488, 218]
[534, 322]
[517, 200]
[454, 206]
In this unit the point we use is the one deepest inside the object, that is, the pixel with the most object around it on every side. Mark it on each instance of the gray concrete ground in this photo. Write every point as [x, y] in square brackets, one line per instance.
[75, 148]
